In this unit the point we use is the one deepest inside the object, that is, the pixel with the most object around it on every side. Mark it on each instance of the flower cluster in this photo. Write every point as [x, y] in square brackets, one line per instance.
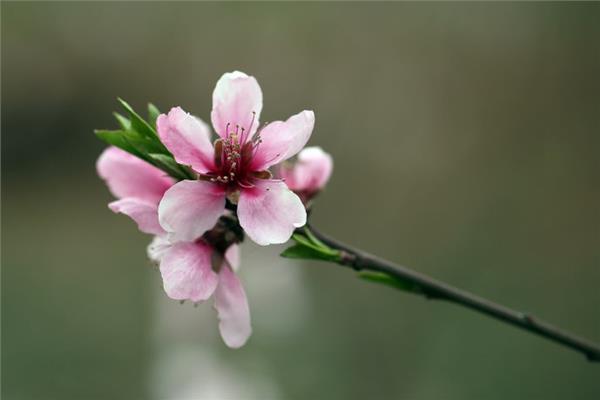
[242, 185]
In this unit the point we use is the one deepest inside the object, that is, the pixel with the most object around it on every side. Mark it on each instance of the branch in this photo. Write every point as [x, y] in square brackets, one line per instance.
[431, 288]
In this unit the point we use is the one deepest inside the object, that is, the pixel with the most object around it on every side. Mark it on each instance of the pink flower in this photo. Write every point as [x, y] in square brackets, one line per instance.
[138, 185]
[191, 270]
[309, 175]
[236, 167]
[195, 271]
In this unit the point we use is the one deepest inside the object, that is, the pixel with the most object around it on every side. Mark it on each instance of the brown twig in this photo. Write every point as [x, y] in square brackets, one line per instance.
[431, 288]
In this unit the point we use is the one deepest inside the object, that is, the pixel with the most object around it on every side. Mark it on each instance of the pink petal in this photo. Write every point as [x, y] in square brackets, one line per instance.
[311, 172]
[142, 212]
[158, 248]
[129, 176]
[188, 138]
[235, 98]
[232, 255]
[282, 140]
[269, 212]
[187, 272]
[190, 208]
[232, 308]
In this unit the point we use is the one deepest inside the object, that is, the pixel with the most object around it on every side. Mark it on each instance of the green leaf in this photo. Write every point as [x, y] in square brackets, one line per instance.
[168, 164]
[305, 252]
[143, 144]
[138, 124]
[123, 121]
[139, 138]
[118, 139]
[385, 279]
[310, 247]
[153, 114]
[313, 239]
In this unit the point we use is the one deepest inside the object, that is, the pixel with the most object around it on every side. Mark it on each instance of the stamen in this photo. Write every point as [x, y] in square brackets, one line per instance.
[218, 152]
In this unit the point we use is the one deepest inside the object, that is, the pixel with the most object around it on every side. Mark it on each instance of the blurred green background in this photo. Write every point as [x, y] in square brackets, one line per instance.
[466, 145]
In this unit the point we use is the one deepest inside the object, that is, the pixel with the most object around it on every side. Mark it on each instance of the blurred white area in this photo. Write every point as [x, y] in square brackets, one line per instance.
[190, 359]
[185, 371]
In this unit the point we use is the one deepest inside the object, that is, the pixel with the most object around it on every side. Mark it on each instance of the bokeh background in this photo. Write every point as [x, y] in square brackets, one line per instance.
[466, 145]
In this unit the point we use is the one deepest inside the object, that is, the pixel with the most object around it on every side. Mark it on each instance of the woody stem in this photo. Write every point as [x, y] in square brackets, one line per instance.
[433, 289]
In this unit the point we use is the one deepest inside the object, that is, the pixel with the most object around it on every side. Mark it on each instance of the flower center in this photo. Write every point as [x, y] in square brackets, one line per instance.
[234, 154]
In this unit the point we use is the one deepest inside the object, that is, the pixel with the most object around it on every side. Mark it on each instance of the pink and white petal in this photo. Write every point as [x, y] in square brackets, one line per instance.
[269, 212]
[232, 255]
[128, 176]
[157, 248]
[282, 140]
[190, 208]
[142, 212]
[235, 98]
[232, 309]
[188, 138]
[312, 170]
[187, 273]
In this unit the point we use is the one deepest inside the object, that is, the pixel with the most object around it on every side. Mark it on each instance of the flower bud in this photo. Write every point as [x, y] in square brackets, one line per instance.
[309, 175]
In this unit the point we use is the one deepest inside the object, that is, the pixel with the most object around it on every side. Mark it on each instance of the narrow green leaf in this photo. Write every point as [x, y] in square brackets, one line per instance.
[385, 279]
[138, 124]
[143, 144]
[302, 240]
[168, 164]
[312, 242]
[153, 114]
[118, 139]
[305, 252]
[146, 132]
[313, 238]
[139, 138]
[123, 121]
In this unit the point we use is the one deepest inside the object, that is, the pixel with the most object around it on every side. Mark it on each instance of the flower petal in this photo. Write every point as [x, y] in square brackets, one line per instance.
[235, 98]
[157, 248]
[269, 212]
[310, 173]
[129, 176]
[282, 140]
[142, 212]
[188, 138]
[232, 255]
[232, 309]
[190, 208]
[187, 272]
